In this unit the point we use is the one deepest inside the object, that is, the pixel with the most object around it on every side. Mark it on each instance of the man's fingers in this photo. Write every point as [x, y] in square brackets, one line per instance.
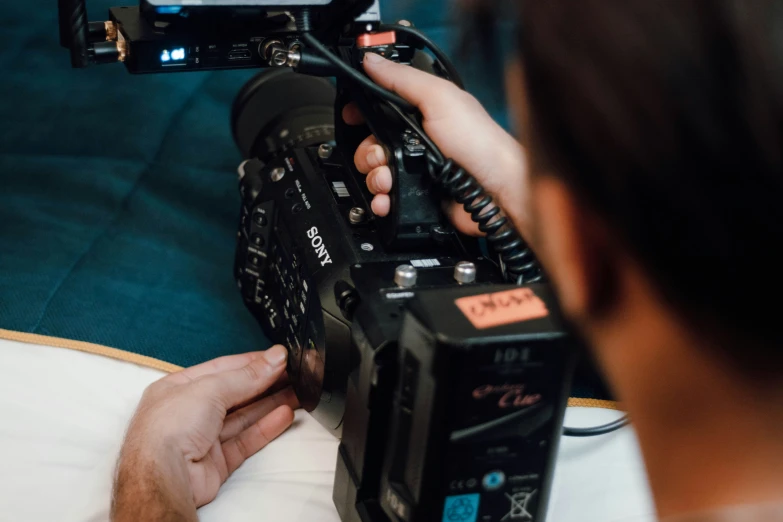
[433, 96]
[240, 385]
[352, 115]
[281, 383]
[221, 364]
[381, 205]
[253, 439]
[369, 155]
[242, 419]
[379, 181]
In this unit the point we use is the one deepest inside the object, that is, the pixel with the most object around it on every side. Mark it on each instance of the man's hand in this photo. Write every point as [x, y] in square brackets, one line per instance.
[194, 428]
[463, 131]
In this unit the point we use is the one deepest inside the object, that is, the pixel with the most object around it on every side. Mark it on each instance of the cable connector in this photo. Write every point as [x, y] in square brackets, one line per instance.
[303, 62]
[109, 52]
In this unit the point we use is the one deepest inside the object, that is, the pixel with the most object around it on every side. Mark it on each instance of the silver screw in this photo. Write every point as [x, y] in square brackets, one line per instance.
[465, 272]
[405, 276]
[405, 23]
[277, 174]
[325, 151]
[356, 216]
[367, 247]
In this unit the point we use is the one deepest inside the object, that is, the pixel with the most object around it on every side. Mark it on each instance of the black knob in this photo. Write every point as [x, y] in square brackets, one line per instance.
[347, 299]
[254, 260]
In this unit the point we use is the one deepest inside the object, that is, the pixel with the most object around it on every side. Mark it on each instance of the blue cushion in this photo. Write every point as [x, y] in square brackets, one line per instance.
[118, 200]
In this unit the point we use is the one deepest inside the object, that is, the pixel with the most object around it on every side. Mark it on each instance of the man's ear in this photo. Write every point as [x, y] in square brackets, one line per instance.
[574, 248]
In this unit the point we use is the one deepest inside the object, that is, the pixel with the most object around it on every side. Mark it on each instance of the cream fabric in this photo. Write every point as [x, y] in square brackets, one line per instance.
[63, 414]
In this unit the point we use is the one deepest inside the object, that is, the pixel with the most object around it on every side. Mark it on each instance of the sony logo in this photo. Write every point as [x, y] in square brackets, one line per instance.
[318, 244]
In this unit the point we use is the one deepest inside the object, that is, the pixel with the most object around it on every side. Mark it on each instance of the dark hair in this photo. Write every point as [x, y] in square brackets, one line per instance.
[666, 118]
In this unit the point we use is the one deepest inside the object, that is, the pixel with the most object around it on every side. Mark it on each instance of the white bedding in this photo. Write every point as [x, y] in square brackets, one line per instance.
[63, 415]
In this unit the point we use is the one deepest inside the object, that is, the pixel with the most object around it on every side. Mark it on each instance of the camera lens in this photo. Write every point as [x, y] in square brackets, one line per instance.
[279, 109]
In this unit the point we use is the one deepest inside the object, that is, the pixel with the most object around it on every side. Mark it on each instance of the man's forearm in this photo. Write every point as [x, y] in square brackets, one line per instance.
[149, 488]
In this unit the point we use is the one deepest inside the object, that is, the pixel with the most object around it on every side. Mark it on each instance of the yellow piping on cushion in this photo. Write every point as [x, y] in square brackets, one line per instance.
[157, 364]
[576, 402]
[97, 349]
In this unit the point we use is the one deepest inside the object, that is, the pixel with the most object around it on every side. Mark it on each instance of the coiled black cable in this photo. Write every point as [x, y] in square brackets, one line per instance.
[521, 265]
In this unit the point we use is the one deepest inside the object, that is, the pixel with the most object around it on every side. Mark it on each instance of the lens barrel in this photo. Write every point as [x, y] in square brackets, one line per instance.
[279, 109]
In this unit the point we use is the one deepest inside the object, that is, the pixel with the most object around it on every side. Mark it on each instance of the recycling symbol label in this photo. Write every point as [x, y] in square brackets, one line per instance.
[461, 508]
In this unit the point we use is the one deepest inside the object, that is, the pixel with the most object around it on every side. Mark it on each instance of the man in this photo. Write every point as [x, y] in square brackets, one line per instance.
[649, 183]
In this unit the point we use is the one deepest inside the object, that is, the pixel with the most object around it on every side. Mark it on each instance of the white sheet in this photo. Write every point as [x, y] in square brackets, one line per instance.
[63, 415]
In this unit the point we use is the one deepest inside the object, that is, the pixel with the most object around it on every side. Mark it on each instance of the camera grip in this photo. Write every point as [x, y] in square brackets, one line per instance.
[415, 214]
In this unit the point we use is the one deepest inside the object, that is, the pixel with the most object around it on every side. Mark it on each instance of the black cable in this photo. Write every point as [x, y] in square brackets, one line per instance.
[597, 430]
[429, 44]
[355, 75]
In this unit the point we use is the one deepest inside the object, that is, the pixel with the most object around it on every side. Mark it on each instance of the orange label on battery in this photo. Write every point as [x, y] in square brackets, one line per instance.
[511, 306]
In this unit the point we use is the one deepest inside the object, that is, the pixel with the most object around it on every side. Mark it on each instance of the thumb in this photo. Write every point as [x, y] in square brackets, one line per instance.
[240, 385]
[433, 96]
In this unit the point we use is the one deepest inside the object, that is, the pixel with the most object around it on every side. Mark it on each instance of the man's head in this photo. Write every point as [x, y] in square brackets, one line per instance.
[655, 131]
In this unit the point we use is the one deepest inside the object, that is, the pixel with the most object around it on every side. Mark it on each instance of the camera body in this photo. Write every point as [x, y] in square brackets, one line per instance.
[447, 386]
[449, 397]
[308, 255]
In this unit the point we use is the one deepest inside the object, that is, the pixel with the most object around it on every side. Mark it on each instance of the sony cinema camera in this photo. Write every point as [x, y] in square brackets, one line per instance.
[438, 359]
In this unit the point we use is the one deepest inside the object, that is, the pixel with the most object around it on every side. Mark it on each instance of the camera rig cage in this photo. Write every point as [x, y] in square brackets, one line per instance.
[177, 35]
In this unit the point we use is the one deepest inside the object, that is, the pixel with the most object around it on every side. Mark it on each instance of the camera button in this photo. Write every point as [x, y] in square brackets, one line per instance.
[257, 240]
[260, 219]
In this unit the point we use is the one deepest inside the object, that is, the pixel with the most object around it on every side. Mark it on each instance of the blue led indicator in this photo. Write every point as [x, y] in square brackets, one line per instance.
[461, 508]
[176, 55]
